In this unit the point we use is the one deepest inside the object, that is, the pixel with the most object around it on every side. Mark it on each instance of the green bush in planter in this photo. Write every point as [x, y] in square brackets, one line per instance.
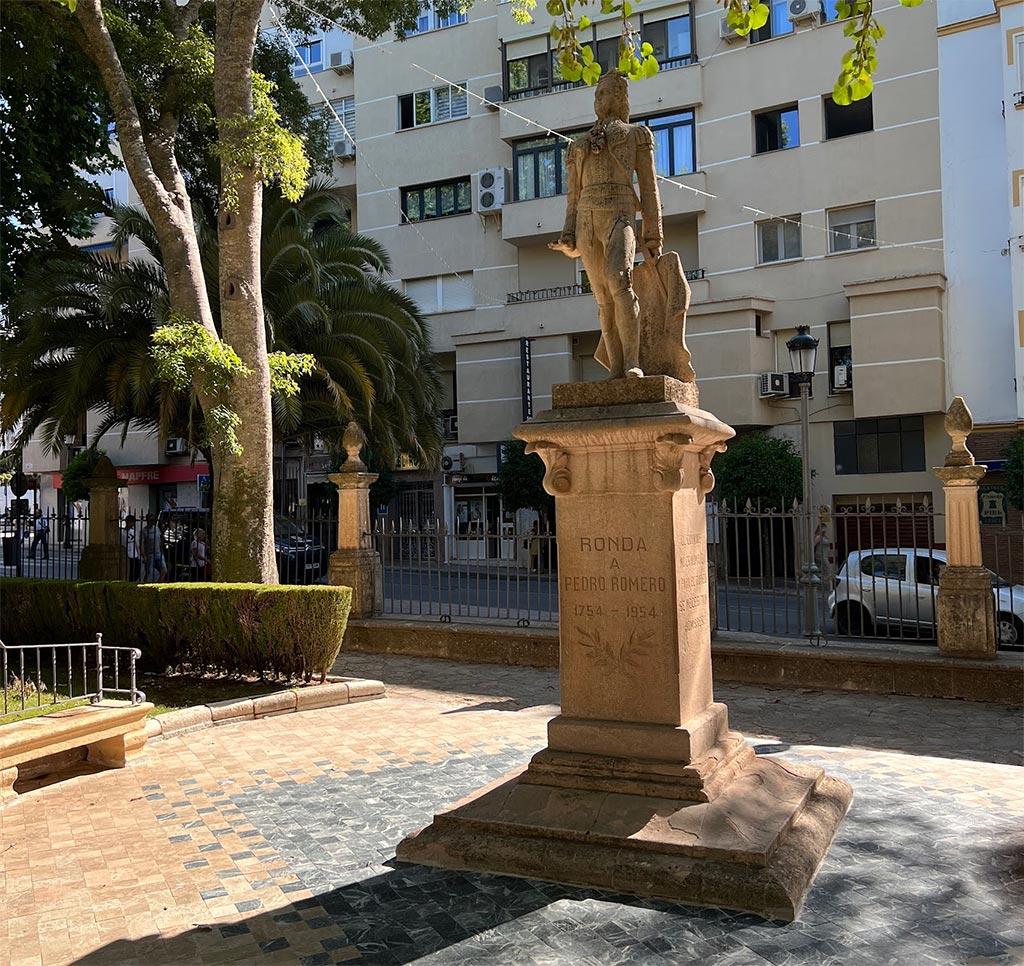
[236, 628]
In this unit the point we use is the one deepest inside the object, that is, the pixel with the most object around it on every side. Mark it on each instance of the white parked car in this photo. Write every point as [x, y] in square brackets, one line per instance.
[896, 588]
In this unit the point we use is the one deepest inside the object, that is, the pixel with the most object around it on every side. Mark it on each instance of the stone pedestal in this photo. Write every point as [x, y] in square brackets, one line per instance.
[103, 558]
[642, 787]
[964, 606]
[355, 563]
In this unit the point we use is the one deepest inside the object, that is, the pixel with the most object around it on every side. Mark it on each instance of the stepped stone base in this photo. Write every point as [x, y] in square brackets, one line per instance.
[755, 847]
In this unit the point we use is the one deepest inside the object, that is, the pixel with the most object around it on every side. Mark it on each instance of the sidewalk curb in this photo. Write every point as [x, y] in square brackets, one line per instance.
[336, 692]
[737, 658]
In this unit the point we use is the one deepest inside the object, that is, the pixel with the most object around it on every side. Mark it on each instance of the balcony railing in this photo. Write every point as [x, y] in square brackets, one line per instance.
[567, 291]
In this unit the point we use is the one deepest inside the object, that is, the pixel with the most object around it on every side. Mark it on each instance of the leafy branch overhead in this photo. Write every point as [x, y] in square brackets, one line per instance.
[186, 354]
[862, 27]
[576, 60]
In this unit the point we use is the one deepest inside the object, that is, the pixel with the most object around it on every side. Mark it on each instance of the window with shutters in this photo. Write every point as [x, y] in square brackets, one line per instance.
[441, 293]
[444, 103]
[851, 228]
[778, 239]
[343, 112]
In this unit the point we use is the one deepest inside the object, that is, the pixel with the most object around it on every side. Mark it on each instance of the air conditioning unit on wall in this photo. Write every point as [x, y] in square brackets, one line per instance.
[491, 188]
[342, 62]
[725, 32]
[773, 385]
[344, 150]
[801, 11]
[176, 446]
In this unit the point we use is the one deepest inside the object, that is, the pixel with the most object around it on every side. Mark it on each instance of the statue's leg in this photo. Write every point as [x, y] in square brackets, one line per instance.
[620, 250]
[591, 249]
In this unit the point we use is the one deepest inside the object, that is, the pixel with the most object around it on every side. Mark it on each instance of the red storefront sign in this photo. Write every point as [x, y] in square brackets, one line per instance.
[157, 473]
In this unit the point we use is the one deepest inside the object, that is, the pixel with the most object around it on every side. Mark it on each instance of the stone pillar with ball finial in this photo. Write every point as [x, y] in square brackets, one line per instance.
[964, 605]
[103, 558]
[355, 563]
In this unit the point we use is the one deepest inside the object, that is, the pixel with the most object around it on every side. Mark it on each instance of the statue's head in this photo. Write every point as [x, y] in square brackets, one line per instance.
[611, 98]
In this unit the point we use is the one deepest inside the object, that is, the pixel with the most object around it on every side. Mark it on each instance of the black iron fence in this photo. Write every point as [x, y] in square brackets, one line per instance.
[496, 573]
[875, 569]
[34, 676]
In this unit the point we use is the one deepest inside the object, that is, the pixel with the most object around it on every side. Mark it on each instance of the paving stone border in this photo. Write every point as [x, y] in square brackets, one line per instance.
[337, 691]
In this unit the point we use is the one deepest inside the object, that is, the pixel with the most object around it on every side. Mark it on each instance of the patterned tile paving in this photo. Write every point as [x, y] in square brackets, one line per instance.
[273, 842]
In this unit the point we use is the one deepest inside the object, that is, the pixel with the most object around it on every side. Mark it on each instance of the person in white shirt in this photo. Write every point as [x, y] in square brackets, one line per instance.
[130, 544]
[42, 536]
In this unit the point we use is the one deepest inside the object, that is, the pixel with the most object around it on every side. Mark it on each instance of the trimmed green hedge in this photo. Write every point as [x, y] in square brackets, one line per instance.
[236, 628]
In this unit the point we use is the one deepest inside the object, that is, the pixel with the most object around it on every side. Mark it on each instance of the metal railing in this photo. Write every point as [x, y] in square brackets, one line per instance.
[63, 672]
[43, 544]
[468, 571]
[569, 291]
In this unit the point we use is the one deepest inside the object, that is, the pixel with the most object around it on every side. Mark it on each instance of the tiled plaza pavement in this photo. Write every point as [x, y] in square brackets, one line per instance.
[273, 841]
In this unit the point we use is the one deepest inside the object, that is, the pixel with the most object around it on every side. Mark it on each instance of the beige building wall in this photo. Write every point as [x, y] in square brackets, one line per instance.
[887, 301]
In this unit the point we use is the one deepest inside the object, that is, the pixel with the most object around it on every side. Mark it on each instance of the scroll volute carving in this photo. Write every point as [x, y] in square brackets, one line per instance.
[669, 452]
[557, 476]
[707, 478]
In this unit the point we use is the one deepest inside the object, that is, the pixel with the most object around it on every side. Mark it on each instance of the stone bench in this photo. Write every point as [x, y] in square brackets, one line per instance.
[111, 732]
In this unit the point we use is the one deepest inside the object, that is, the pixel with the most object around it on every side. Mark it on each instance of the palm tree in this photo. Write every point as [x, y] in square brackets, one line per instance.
[82, 328]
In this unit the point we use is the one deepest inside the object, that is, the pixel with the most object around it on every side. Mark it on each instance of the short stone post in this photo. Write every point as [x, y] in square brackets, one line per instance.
[355, 563]
[103, 558]
[965, 606]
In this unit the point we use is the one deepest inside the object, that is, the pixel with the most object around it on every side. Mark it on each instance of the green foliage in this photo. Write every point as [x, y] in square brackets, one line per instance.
[521, 481]
[1014, 469]
[79, 469]
[53, 135]
[859, 63]
[82, 332]
[576, 60]
[234, 628]
[285, 370]
[188, 355]
[759, 467]
[260, 141]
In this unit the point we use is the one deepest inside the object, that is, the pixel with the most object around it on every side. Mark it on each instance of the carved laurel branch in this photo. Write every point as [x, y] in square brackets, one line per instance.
[557, 477]
[667, 467]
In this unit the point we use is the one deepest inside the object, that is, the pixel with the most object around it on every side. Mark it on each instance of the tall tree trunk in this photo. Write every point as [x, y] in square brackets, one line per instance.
[243, 486]
[244, 490]
[166, 201]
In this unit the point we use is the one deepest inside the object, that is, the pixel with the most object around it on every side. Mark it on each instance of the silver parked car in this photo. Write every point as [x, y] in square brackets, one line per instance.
[896, 588]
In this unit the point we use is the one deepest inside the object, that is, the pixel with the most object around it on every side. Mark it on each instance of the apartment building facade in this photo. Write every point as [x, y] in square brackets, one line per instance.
[785, 208]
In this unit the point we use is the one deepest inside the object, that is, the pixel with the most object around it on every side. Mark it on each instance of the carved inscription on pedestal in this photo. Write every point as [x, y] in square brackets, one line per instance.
[692, 583]
[618, 621]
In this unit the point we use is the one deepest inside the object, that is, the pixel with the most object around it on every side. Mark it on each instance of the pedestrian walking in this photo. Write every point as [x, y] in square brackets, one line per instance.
[154, 569]
[41, 536]
[533, 546]
[199, 556]
[130, 544]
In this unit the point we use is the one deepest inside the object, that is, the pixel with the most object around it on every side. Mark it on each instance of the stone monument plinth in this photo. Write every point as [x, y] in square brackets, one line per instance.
[642, 787]
[355, 563]
[103, 557]
[964, 604]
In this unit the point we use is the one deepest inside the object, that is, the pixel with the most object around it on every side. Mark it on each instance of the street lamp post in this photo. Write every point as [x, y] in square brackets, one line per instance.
[803, 349]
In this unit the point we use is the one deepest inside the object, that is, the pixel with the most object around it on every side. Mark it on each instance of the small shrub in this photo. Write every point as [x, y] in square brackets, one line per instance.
[234, 628]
